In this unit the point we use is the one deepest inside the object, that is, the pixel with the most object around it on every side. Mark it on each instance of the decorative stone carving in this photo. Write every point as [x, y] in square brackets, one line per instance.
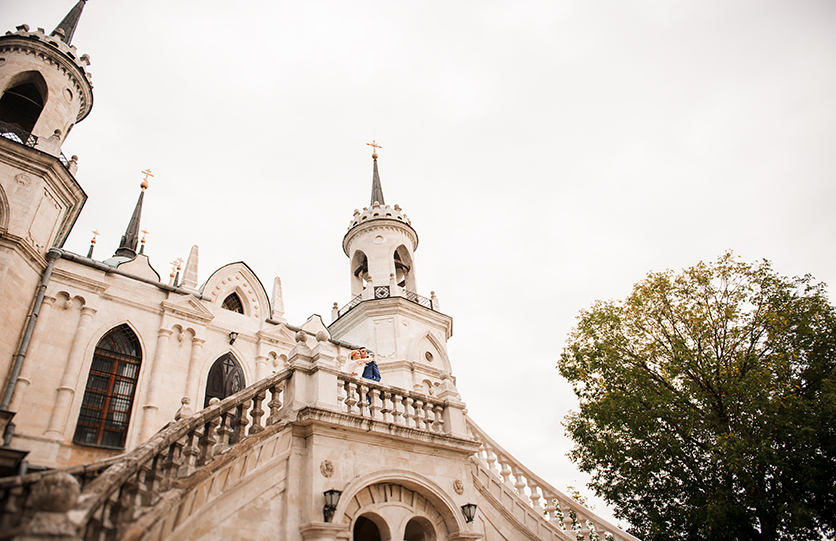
[326, 468]
[458, 486]
[56, 493]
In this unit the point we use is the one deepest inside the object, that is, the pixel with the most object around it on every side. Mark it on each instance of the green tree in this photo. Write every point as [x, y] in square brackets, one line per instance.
[708, 404]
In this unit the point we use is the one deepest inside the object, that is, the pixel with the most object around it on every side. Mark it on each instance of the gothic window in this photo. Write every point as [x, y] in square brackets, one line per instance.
[21, 106]
[233, 303]
[225, 379]
[109, 395]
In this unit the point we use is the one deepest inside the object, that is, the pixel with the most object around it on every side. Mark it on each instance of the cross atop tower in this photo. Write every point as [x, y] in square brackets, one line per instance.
[374, 146]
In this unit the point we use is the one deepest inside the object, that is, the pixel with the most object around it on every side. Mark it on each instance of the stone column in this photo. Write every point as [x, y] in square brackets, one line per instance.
[26, 371]
[193, 377]
[260, 367]
[69, 380]
[149, 421]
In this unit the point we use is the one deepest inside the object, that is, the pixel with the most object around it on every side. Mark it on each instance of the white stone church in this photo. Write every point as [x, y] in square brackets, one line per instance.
[137, 406]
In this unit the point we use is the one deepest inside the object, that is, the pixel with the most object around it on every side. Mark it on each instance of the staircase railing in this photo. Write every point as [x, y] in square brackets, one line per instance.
[559, 509]
[115, 491]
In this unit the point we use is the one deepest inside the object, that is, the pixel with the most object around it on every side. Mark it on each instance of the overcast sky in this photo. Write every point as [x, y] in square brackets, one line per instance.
[548, 153]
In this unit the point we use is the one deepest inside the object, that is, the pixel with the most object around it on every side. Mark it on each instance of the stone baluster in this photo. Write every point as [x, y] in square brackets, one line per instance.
[439, 418]
[566, 511]
[491, 460]
[535, 495]
[207, 441]
[128, 498]
[225, 431]
[341, 393]
[374, 405]
[275, 403]
[519, 481]
[408, 419]
[505, 472]
[150, 489]
[418, 415]
[429, 416]
[190, 452]
[170, 464]
[385, 406]
[362, 400]
[257, 413]
[584, 527]
[397, 409]
[550, 506]
[351, 396]
[243, 421]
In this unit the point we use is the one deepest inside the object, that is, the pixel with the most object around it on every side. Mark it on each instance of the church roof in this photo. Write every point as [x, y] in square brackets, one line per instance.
[69, 23]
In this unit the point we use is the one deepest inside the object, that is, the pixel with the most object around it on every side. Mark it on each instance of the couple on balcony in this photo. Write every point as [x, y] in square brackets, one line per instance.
[365, 357]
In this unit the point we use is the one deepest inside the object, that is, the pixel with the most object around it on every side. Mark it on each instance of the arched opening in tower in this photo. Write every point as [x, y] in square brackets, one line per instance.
[359, 272]
[21, 105]
[403, 268]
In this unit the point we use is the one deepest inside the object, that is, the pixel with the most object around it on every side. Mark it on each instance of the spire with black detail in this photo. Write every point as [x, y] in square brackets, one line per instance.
[127, 247]
[377, 190]
[69, 23]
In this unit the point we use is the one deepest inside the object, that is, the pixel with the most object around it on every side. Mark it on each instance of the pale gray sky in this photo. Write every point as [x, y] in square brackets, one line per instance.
[548, 153]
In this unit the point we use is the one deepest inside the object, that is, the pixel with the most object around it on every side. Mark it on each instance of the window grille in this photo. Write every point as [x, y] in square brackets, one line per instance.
[233, 303]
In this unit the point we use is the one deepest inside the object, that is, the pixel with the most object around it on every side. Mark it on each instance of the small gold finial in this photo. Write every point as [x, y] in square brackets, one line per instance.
[374, 146]
[144, 233]
[144, 183]
[95, 234]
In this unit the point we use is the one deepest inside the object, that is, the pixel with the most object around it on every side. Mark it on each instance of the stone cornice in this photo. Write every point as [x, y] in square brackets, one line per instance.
[388, 307]
[58, 54]
[83, 282]
[309, 417]
[385, 224]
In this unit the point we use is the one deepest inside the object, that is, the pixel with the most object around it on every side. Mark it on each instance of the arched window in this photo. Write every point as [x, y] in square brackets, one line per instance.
[111, 385]
[419, 529]
[21, 105]
[225, 379]
[233, 303]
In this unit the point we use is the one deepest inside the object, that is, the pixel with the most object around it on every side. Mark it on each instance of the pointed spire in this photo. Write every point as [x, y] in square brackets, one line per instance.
[127, 247]
[69, 23]
[377, 190]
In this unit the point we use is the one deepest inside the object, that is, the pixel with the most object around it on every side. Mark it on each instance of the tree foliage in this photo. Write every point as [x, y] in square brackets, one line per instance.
[708, 404]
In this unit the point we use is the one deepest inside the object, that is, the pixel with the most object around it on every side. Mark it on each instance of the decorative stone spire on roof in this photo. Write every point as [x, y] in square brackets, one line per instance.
[127, 247]
[66, 28]
[377, 190]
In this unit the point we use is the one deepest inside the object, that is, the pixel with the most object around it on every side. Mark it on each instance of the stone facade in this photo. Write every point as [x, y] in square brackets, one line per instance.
[187, 411]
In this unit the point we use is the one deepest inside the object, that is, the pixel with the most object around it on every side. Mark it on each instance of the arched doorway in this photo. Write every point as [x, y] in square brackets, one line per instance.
[225, 379]
[419, 529]
[366, 530]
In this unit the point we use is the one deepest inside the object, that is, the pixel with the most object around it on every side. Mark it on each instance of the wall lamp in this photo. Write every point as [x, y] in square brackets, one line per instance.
[469, 512]
[232, 336]
[332, 498]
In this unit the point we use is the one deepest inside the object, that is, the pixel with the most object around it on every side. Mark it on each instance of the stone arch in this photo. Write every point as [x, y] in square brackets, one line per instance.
[404, 266]
[224, 378]
[359, 272]
[23, 102]
[107, 404]
[419, 529]
[444, 513]
[428, 342]
[238, 278]
[370, 527]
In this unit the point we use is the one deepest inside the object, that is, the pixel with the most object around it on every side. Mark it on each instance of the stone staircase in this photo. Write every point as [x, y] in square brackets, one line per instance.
[165, 484]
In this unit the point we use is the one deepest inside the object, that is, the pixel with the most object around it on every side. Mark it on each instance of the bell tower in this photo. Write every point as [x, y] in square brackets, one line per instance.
[405, 330]
[45, 90]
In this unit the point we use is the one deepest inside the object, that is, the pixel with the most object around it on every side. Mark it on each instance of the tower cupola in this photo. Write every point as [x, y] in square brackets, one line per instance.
[380, 244]
[45, 85]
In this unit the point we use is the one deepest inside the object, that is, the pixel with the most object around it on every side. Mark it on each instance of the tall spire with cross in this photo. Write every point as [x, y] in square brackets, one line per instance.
[69, 23]
[377, 190]
[127, 248]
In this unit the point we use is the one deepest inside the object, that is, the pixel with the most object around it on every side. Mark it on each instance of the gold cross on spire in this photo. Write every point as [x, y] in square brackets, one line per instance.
[144, 183]
[374, 146]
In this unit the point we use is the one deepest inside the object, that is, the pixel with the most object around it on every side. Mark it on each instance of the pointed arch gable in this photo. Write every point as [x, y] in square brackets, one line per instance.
[415, 350]
[240, 279]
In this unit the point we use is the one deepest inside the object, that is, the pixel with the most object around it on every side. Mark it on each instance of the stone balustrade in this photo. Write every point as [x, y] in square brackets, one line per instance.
[372, 400]
[114, 492]
[562, 512]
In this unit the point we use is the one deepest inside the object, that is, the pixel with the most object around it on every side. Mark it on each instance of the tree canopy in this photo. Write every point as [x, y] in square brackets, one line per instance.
[708, 404]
